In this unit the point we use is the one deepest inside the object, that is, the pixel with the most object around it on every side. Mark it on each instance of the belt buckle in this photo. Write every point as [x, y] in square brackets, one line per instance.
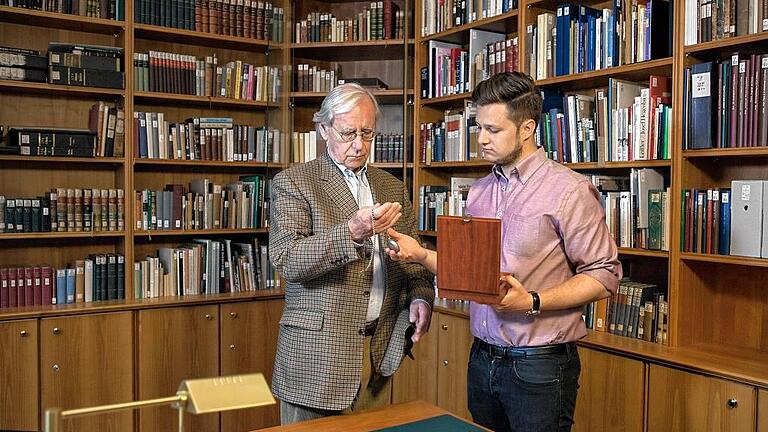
[496, 351]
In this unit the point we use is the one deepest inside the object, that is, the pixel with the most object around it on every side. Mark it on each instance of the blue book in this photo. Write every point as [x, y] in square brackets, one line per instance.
[70, 285]
[143, 153]
[703, 90]
[61, 286]
[725, 222]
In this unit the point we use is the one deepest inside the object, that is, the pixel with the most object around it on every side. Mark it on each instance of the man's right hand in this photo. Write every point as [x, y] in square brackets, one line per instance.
[385, 216]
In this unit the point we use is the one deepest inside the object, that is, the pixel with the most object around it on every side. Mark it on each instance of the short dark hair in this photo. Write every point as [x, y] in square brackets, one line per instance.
[514, 89]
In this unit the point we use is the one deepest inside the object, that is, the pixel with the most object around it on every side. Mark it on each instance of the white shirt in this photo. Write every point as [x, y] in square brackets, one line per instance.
[361, 190]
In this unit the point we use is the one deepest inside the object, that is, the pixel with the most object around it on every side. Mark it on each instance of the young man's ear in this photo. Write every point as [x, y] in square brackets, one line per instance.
[527, 129]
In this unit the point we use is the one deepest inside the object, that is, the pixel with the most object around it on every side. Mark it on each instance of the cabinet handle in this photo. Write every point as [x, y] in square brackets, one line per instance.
[232, 347]
[445, 326]
[445, 362]
[23, 333]
[733, 403]
[56, 368]
[233, 315]
[56, 330]
[208, 317]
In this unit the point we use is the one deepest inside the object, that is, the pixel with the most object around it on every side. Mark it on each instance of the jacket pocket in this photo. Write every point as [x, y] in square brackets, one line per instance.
[303, 319]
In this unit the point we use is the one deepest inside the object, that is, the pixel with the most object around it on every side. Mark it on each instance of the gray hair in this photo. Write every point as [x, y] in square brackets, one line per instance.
[341, 100]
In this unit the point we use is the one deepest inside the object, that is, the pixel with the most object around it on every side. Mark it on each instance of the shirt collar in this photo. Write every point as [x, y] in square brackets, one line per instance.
[524, 168]
[346, 172]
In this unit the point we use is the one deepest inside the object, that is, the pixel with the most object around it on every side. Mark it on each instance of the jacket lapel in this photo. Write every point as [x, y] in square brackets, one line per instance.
[336, 188]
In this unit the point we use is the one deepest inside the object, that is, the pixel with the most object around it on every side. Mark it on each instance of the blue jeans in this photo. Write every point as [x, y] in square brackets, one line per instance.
[532, 394]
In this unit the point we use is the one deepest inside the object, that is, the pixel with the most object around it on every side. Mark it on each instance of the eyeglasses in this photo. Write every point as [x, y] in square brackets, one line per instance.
[349, 136]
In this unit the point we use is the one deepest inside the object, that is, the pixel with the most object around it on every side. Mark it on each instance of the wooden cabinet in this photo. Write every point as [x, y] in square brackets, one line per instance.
[417, 378]
[611, 393]
[248, 334]
[87, 360]
[762, 410]
[175, 344]
[683, 401]
[19, 402]
[453, 345]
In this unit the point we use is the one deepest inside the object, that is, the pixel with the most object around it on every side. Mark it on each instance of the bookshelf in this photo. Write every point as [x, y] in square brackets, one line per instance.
[48, 105]
[345, 57]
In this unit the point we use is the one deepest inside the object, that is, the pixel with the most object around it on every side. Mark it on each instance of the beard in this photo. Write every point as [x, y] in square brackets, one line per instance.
[512, 157]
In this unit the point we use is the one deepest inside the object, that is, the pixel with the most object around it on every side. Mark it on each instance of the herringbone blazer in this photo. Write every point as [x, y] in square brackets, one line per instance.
[320, 345]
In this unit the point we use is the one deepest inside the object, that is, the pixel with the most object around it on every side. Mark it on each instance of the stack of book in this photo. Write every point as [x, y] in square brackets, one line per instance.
[85, 65]
[19, 64]
[45, 141]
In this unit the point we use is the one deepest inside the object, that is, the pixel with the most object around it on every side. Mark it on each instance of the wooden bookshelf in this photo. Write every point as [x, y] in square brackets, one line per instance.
[60, 235]
[43, 160]
[726, 152]
[169, 163]
[503, 23]
[445, 101]
[59, 90]
[348, 51]
[586, 166]
[725, 47]
[644, 252]
[477, 163]
[200, 101]
[725, 259]
[38, 18]
[599, 78]
[390, 96]
[205, 232]
[191, 37]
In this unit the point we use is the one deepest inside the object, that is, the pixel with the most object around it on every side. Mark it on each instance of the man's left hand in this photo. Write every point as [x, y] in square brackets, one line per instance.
[421, 314]
[513, 296]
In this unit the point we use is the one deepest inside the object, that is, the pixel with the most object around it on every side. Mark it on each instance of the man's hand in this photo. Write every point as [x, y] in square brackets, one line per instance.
[384, 216]
[513, 297]
[421, 314]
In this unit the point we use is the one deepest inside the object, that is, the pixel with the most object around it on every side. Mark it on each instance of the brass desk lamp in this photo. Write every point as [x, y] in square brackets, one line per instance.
[197, 396]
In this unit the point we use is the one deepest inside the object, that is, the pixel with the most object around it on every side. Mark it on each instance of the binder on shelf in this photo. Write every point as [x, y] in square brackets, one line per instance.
[468, 258]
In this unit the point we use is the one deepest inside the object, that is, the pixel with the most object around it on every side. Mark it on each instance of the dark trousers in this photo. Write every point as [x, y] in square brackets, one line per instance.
[531, 394]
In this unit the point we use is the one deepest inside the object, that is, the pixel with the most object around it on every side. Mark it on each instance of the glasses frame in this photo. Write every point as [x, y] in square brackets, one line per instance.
[359, 133]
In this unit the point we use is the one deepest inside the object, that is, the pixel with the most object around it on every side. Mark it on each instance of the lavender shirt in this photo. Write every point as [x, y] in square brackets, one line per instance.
[552, 227]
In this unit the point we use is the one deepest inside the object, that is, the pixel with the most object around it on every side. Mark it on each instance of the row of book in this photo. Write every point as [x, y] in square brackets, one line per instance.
[381, 21]
[98, 277]
[442, 15]
[203, 138]
[64, 210]
[443, 200]
[637, 310]
[625, 121]
[64, 64]
[726, 103]
[637, 208]
[204, 205]
[205, 266]
[184, 74]
[106, 9]
[580, 38]
[707, 20]
[453, 68]
[452, 140]
[726, 221]
[108, 122]
[309, 78]
[386, 148]
[47, 141]
[242, 18]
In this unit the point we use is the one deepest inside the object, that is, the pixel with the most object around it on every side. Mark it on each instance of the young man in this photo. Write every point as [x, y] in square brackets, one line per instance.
[524, 366]
[347, 307]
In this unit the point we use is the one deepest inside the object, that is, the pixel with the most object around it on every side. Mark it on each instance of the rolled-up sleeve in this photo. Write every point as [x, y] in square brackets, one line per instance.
[588, 243]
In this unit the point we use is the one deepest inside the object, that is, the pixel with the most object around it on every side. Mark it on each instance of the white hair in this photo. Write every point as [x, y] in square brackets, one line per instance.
[341, 100]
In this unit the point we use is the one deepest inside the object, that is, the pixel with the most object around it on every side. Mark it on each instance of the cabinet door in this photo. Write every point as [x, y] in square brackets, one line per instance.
[19, 401]
[762, 410]
[453, 344]
[248, 342]
[417, 379]
[87, 360]
[611, 393]
[175, 344]
[680, 401]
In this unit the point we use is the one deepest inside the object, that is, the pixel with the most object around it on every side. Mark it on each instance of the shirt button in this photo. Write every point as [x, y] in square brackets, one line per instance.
[484, 324]
[498, 213]
[503, 188]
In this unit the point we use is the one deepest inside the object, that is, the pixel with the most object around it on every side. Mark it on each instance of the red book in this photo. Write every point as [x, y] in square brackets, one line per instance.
[3, 288]
[12, 296]
[658, 94]
[37, 290]
[29, 287]
[48, 282]
[20, 287]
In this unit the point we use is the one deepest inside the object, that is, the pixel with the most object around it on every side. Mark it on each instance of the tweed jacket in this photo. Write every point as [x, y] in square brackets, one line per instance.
[320, 344]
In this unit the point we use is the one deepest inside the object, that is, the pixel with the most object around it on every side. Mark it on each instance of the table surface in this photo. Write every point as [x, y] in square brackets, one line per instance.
[392, 415]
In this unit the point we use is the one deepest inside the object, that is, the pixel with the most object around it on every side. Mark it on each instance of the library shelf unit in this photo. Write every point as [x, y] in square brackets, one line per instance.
[137, 347]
